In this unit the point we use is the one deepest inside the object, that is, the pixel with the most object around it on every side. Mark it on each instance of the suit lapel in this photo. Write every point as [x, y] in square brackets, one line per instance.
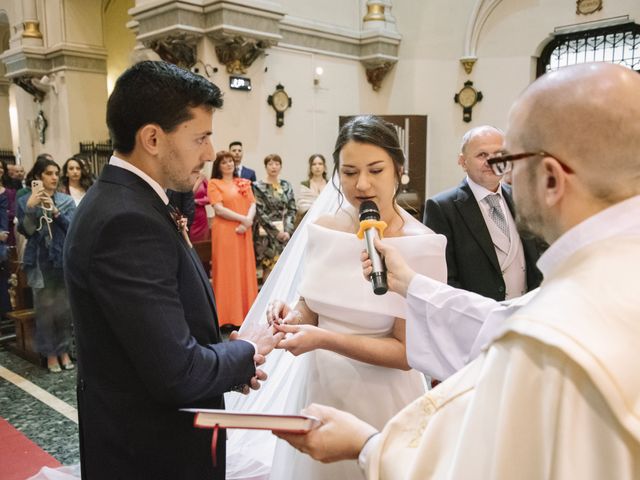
[130, 180]
[470, 212]
[163, 209]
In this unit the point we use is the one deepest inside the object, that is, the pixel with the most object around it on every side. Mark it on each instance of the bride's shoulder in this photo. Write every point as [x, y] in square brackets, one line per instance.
[340, 221]
[414, 227]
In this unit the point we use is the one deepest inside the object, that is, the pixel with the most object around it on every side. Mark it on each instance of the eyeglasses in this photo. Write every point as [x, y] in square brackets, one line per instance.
[502, 163]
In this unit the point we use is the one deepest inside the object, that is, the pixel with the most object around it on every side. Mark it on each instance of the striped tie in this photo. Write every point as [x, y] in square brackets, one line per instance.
[496, 213]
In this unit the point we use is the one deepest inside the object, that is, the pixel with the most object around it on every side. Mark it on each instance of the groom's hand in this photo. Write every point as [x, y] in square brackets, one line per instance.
[264, 337]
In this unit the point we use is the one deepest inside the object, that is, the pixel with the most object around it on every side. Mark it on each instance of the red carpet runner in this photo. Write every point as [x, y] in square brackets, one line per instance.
[20, 458]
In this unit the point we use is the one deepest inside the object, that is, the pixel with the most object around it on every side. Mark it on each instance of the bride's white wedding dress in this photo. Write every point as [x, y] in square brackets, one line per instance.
[332, 284]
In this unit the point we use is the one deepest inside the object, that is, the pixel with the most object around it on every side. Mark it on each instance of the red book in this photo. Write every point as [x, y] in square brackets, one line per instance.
[210, 418]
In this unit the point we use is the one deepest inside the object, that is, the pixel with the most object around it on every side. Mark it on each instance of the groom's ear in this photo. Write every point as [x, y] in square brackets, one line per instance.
[150, 138]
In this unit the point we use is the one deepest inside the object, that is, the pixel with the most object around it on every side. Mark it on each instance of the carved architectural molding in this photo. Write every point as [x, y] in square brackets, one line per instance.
[238, 53]
[38, 61]
[481, 11]
[180, 49]
[25, 82]
[242, 31]
[377, 71]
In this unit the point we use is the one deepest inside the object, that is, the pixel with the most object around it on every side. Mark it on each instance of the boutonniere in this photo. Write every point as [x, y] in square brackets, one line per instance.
[181, 223]
[243, 186]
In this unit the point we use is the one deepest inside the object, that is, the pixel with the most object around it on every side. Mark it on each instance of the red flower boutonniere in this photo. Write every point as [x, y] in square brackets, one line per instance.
[181, 224]
[243, 185]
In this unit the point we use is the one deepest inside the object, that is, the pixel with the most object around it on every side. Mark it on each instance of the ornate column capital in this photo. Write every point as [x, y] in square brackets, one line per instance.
[238, 53]
[179, 49]
[377, 71]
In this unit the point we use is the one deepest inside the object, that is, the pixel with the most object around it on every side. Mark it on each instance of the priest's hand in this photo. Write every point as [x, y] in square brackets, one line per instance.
[340, 435]
[399, 274]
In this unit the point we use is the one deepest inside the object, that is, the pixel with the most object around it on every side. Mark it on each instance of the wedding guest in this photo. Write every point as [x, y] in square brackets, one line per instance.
[233, 262]
[275, 213]
[7, 211]
[312, 186]
[76, 178]
[44, 216]
[199, 230]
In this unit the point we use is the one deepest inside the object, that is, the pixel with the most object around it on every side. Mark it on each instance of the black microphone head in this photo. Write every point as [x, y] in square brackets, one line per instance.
[369, 211]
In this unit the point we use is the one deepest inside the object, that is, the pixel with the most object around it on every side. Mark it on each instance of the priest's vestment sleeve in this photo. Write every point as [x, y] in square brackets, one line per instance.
[521, 410]
[447, 326]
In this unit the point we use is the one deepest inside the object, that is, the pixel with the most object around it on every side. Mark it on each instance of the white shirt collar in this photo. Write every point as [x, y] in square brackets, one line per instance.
[623, 218]
[118, 162]
[479, 192]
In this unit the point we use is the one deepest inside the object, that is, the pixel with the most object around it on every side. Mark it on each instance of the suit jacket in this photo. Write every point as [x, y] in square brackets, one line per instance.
[185, 203]
[472, 262]
[247, 173]
[147, 336]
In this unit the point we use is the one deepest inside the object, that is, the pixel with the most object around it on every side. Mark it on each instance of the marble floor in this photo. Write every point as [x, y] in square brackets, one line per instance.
[41, 405]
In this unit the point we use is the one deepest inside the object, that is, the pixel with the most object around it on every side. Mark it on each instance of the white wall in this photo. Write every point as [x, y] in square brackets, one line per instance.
[429, 73]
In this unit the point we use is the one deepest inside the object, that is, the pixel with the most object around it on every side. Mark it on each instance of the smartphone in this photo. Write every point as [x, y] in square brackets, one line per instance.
[36, 185]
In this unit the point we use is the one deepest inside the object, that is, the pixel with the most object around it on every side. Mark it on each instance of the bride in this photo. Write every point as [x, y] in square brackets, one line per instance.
[346, 345]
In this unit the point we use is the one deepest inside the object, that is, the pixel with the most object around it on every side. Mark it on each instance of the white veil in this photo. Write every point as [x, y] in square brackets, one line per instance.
[250, 452]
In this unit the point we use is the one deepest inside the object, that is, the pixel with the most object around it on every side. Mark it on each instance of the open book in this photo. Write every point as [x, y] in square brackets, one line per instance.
[209, 418]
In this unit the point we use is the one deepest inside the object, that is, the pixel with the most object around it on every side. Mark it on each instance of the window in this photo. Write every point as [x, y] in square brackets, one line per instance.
[615, 44]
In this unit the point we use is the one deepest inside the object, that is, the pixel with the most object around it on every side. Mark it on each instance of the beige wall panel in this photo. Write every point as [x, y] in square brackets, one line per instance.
[342, 13]
[83, 22]
[5, 124]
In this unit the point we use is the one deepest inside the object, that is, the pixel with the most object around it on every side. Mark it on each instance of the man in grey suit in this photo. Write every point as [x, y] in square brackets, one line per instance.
[485, 253]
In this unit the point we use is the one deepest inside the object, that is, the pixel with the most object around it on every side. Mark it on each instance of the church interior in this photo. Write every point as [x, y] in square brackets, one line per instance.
[291, 72]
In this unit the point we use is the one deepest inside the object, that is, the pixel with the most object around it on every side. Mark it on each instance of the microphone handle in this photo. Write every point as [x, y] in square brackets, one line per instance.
[379, 273]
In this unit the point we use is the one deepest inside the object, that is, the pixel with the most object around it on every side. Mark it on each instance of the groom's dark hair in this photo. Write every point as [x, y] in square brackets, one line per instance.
[159, 93]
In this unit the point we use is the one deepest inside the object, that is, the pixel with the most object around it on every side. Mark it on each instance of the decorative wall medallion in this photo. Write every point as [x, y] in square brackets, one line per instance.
[467, 97]
[280, 101]
[587, 7]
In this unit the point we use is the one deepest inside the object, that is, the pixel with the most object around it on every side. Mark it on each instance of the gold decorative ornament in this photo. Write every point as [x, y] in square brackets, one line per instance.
[238, 53]
[377, 72]
[587, 7]
[468, 63]
[375, 13]
[280, 101]
[178, 49]
[467, 97]
[31, 29]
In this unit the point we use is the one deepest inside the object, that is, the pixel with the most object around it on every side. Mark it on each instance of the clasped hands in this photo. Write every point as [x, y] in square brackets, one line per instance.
[300, 333]
[244, 225]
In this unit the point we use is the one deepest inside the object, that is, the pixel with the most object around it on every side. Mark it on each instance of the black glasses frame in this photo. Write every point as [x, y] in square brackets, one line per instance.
[502, 163]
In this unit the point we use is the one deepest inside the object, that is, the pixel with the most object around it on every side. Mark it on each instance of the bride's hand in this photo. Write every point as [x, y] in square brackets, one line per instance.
[302, 338]
[277, 311]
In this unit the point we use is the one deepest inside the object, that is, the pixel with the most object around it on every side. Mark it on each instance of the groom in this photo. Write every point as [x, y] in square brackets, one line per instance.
[144, 312]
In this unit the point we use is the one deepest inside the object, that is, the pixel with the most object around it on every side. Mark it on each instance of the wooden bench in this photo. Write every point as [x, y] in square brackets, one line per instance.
[25, 324]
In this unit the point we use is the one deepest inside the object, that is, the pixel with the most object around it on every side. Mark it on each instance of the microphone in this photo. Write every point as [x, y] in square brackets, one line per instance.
[371, 227]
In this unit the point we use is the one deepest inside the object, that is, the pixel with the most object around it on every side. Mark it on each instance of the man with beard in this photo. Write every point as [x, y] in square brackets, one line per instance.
[144, 312]
[557, 394]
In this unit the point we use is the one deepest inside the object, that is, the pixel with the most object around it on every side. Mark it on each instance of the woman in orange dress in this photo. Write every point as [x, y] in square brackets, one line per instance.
[233, 264]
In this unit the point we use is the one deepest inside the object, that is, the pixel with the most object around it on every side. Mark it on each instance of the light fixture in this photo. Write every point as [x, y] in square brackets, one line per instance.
[318, 74]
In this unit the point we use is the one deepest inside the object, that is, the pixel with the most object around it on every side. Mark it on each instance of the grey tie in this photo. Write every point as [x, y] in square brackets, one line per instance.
[496, 213]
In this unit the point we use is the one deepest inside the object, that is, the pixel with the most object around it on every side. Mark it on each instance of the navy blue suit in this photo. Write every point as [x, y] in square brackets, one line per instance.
[148, 338]
[247, 173]
[472, 263]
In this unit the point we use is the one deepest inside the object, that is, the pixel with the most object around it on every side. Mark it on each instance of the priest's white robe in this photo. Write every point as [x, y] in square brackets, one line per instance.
[557, 395]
